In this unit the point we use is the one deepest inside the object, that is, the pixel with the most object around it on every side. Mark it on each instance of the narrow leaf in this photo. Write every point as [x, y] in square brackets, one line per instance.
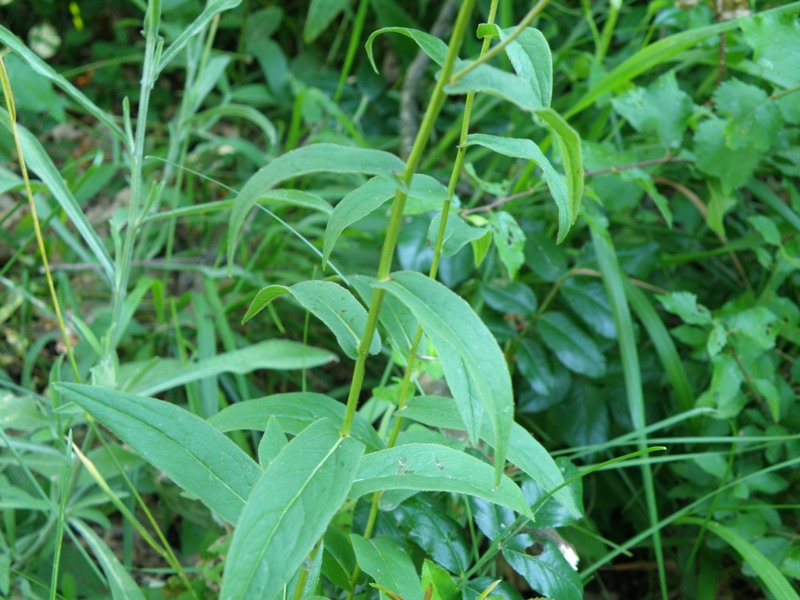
[281, 523]
[191, 452]
[433, 467]
[320, 14]
[435, 48]
[473, 363]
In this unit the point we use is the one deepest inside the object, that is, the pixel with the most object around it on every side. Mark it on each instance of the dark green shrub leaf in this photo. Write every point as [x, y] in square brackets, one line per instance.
[437, 534]
[280, 524]
[320, 14]
[509, 297]
[576, 350]
[191, 452]
[589, 301]
[548, 572]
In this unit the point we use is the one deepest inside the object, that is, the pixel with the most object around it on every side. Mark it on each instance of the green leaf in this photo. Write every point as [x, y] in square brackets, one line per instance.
[528, 150]
[509, 240]
[472, 361]
[523, 449]
[769, 574]
[569, 144]
[434, 467]
[457, 233]
[120, 583]
[724, 391]
[212, 9]
[42, 68]
[160, 374]
[303, 161]
[684, 304]
[384, 560]
[510, 297]
[547, 572]
[732, 166]
[40, 163]
[280, 524]
[534, 366]
[663, 109]
[428, 526]
[191, 452]
[767, 228]
[589, 301]
[754, 119]
[576, 350]
[439, 581]
[320, 14]
[496, 82]
[545, 258]
[435, 48]
[294, 411]
[330, 303]
[774, 37]
[272, 442]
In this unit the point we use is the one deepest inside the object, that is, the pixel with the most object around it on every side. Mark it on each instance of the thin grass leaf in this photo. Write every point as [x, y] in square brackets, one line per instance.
[281, 523]
[120, 583]
[46, 71]
[473, 363]
[191, 452]
[39, 162]
[769, 574]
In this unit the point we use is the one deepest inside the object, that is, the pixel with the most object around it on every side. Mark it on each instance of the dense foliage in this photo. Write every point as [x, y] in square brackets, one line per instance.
[441, 300]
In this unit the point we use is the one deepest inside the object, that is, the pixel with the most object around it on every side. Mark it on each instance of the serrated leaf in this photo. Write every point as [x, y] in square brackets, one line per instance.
[733, 167]
[303, 161]
[754, 119]
[523, 449]
[684, 304]
[330, 303]
[383, 559]
[509, 239]
[547, 572]
[576, 350]
[774, 38]
[295, 411]
[589, 301]
[662, 108]
[528, 150]
[191, 452]
[160, 374]
[472, 361]
[280, 524]
[434, 467]
[319, 16]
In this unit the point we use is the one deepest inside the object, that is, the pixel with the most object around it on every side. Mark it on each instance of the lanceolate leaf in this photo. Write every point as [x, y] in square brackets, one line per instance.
[523, 449]
[435, 48]
[330, 303]
[385, 561]
[191, 452]
[576, 350]
[294, 411]
[288, 511]
[434, 467]
[473, 363]
[303, 161]
[528, 150]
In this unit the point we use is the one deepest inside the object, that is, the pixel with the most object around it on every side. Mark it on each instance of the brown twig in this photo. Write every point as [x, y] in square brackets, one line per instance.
[636, 165]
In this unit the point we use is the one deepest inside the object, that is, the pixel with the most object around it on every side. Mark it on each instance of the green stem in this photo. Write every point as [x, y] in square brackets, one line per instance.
[608, 31]
[396, 216]
[352, 47]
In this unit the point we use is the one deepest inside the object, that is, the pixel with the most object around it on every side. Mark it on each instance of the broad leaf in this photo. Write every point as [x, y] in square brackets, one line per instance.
[523, 450]
[576, 350]
[547, 572]
[472, 361]
[589, 301]
[434, 467]
[510, 297]
[432, 530]
[288, 511]
[457, 233]
[294, 411]
[385, 561]
[773, 37]
[303, 161]
[330, 303]
[191, 452]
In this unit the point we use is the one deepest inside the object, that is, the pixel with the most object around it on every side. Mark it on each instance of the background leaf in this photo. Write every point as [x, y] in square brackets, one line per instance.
[576, 350]
[385, 561]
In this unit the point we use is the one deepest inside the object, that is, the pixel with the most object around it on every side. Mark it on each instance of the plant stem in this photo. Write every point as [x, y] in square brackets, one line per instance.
[396, 216]
[352, 47]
